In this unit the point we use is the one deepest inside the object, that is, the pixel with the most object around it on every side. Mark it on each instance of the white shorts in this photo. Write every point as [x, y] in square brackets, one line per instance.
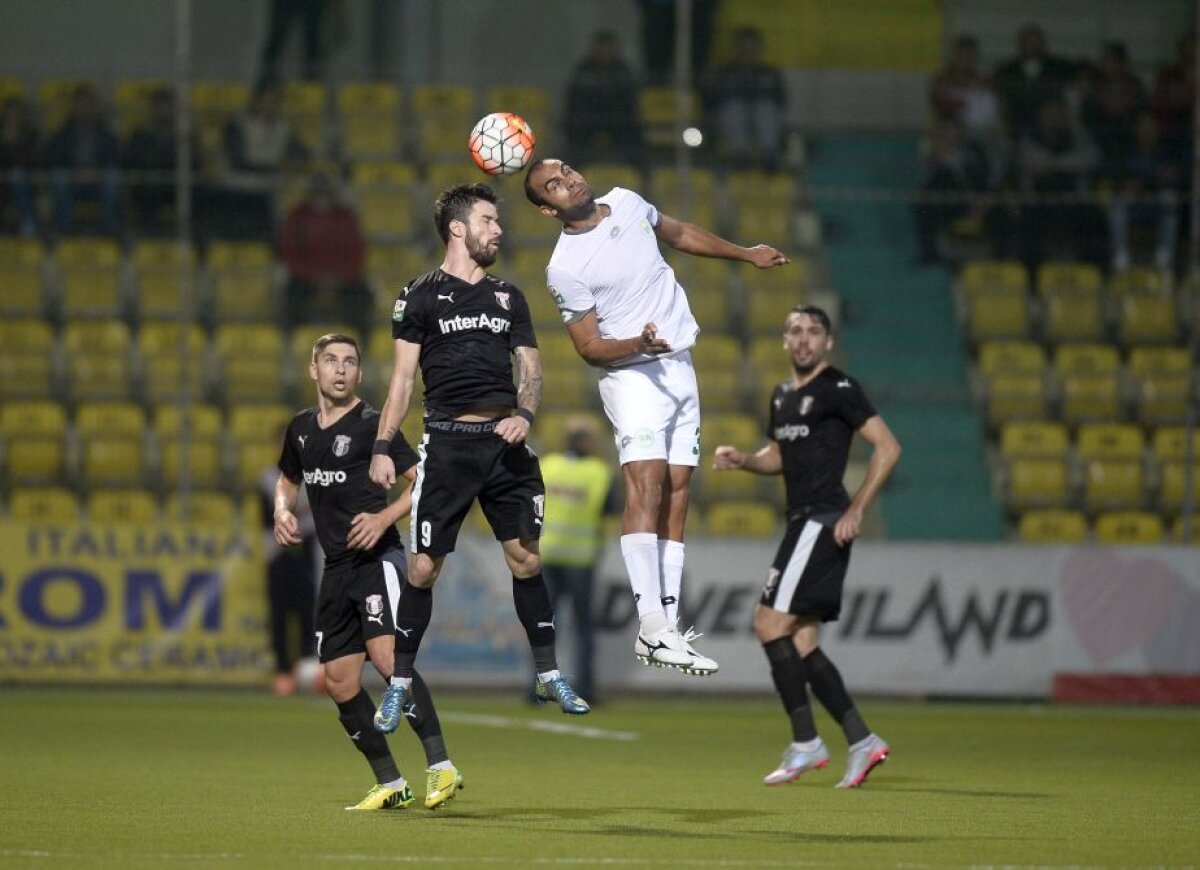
[654, 409]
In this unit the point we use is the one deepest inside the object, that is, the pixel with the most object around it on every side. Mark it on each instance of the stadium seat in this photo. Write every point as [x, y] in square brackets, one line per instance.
[558, 352]
[34, 418]
[203, 508]
[224, 256]
[254, 459]
[1110, 441]
[668, 184]
[370, 116]
[529, 101]
[33, 460]
[214, 101]
[1069, 276]
[1072, 314]
[1034, 439]
[1147, 317]
[43, 505]
[1139, 279]
[1162, 399]
[1158, 361]
[304, 106]
[1170, 444]
[133, 506]
[200, 459]
[131, 99]
[166, 339]
[246, 379]
[104, 337]
[549, 433]
[22, 267]
[98, 359]
[1090, 398]
[750, 186]
[1174, 486]
[990, 275]
[89, 272]
[770, 222]
[29, 376]
[1193, 536]
[200, 421]
[718, 351]
[657, 111]
[445, 115]
[740, 430]
[112, 461]
[1036, 483]
[1052, 527]
[996, 313]
[390, 267]
[1011, 358]
[110, 420]
[262, 341]
[160, 268]
[741, 519]
[54, 99]
[386, 215]
[1015, 397]
[256, 421]
[721, 391]
[1129, 527]
[12, 88]
[603, 177]
[245, 295]
[1113, 484]
[767, 307]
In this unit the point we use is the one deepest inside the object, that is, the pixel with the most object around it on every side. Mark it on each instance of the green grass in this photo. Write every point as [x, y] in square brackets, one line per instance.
[155, 779]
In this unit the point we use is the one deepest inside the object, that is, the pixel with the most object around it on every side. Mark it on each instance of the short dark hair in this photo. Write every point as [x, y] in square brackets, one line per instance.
[335, 338]
[531, 194]
[816, 313]
[455, 204]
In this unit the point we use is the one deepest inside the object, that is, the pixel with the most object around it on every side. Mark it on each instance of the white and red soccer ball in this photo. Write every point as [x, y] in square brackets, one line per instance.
[501, 143]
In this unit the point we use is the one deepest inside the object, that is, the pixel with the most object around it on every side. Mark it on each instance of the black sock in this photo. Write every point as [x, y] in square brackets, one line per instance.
[356, 716]
[423, 719]
[532, 601]
[413, 613]
[787, 670]
[827, 685]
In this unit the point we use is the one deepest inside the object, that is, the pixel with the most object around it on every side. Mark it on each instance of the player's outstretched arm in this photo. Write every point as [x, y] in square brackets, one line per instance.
[529, 396]
[691, 239]
[366, 528]
[885, 453]
[766, 460]
[395, 409]
[598, 351]
[287, 526]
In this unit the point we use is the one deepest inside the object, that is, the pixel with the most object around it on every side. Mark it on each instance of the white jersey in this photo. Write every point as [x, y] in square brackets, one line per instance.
[617, 269]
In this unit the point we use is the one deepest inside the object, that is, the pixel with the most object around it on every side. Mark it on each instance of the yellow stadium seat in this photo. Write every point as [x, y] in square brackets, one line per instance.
[25, 335]
[698, 274]
[1174, 487]
[201, 459]
[1035, 483]
[112, 461]
[741, 519]
[170, 378]
[1110, 441]
[255, 458]
[994, 313]
[43, 505]
[54, 97]
[201, 421]
[22, 266]
[1034, 439]
[37, 418]
[1147, 317]
[718, 351]
[1069, 276]
[763, 222]
[252, 380]
[1090, 398]
[261, 341]
[11, 89]
[740, 430]
[558, 352]
[1158, 361]
[202, 508]
[162, 267]
[994, 275]
[369, 98]
[99, 376]
[109, 337]
[123, 506]
[530, 102]
[131, 98]
[26, 377]
[528, 226]
[1170, 444]
[748, 187]
[1015, 397]
[1139, 279]
[90, 277]
[1086, 359]
[1011, 358]
[721, 391]
[219, 98]
[657, 110]
[1072, 314]
[167, 339]
[713, 487]
[543, 310]
[259, 422]
[370, 136]
[767, 308]
[1112, 484]
[386, 215]
[667, 184]
[245, 295]
[444, 115]
[549, 432]
[394, 265]
[239, 256]
[304, 108]
[1129, 527]
[1162, 399]
[110, 420]
[1052, 527]
[603, 177]
[1193, 536]
[570, 388]
[34, 460]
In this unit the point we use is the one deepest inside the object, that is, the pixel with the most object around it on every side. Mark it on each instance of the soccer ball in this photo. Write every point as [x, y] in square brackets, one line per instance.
[501, 143]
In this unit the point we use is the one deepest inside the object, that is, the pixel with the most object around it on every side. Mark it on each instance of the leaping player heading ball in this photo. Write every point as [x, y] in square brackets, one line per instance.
[627, 314]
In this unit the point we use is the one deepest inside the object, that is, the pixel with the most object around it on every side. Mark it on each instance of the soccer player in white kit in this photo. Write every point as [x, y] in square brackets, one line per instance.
[627, 315]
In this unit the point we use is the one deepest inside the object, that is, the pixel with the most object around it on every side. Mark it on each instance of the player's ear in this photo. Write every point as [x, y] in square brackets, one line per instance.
[312, 370]
[458, 228]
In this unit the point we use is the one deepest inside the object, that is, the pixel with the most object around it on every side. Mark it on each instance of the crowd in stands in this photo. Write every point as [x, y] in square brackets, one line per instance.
[1054, 158]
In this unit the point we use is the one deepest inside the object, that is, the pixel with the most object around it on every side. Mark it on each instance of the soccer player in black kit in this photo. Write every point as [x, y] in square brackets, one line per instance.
[328, 449]
[813, 418]
[463, 326]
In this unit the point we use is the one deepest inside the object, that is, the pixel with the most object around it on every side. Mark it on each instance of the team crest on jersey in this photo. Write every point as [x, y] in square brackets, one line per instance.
[502, 298]
[398, 311]
[806, 405]
[539, 505]
[772, 582]
[341, 445]
[374, 605]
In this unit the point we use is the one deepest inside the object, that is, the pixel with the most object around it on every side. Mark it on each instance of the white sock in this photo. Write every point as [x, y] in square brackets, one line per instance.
[641, 562]
[406, 682]
[442, 765]
[670, 560]
[547, 676]
[397, 784]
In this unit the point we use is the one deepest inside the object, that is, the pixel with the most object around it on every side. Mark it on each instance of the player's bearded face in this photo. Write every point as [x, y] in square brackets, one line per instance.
[806, 342]
[482, 251]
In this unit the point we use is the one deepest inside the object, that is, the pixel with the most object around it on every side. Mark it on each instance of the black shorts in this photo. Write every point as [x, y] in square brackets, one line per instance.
[461, 462]
[808, 573]
[357, 603]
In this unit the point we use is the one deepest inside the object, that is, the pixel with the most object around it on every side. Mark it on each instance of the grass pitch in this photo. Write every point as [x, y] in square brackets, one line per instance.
[161, 779]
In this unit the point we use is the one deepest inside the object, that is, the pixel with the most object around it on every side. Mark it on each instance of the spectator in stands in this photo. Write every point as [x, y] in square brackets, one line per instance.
[1175, 97]
[150, 158]
[324, 251]
[1112, 99]
[1147, 193]
[962, 94]
[84, 159]
[602, 111]
[747, 100]
[284, 15]
[1055, 164]
[18, 159]
[658, 37]
[1030, 79]
[259, 148]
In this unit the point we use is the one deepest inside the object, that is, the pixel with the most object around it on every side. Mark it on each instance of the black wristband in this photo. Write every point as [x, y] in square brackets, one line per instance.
[381, 447]
[526, 415]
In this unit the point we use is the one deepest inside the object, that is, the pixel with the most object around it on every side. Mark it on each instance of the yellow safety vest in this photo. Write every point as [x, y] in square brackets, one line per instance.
[576, 488]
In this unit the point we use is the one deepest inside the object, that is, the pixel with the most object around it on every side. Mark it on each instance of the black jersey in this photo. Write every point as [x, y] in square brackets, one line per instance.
[334, 463]
[814, 426]
[467, 334]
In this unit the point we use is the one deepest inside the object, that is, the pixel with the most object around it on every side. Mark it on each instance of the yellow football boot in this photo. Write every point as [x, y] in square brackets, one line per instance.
[383, 797]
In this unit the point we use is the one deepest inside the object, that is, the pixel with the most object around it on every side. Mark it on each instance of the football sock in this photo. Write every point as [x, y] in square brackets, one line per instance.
[423, 719]
[441, 765]
[413, 613]
[356, 716]
[787, 670]
[827, 685]
[670, 560]
[640, 551]
[548, 676]
[532, 601]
